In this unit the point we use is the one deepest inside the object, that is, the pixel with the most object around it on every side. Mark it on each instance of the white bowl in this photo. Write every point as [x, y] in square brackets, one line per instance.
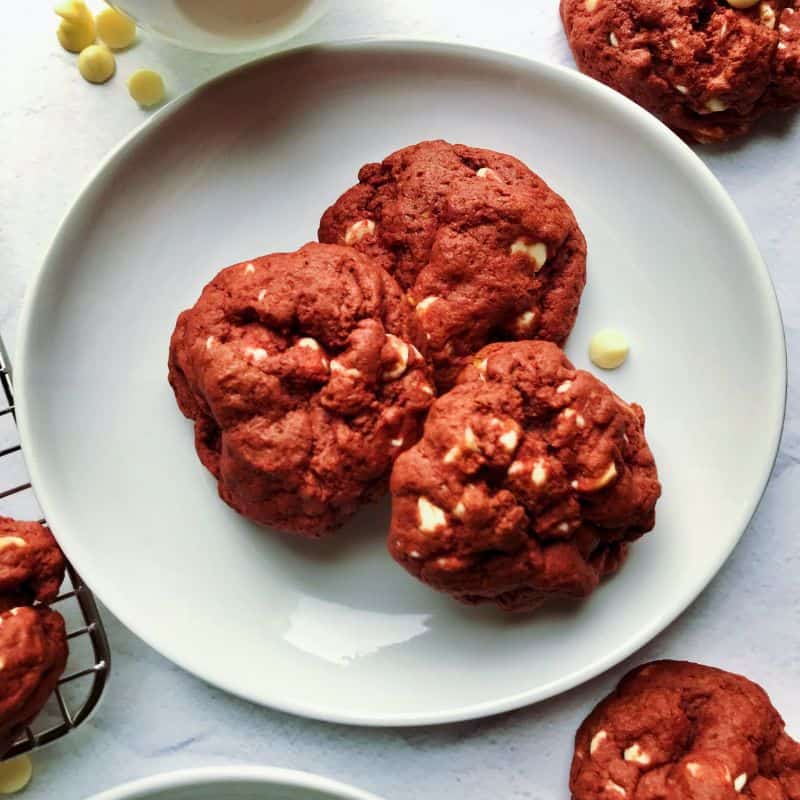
[235, 26]
[234, 783]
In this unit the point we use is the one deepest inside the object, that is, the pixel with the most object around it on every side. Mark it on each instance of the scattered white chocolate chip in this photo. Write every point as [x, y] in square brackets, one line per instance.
[568, 413]
[481, 365]
[146, 87]
[539, 473]
[15, 774]
[460, 509]
[694, 769]
[428, 389]
[580, 421]
[612, 39]
[606, 477]
[452, 455]
[398, 442]
[358, 230]
[615, 788]
[674, 44]
[341, 369]
[781, 45]
[574, 484]
[715, 105]
[536, 252]
[414, 554]
[597, 740]
[249, 269]
[400, 349]
[261, 295]
[591, 5]
[11, 541]
[426, 303]
[516, 468]
[767, 15]
[783, 28]
[256, 353]
[740, 781]
[308, 342]
[485, 172]
[608, 348]
[635, 754]
[416, 352]
[563, 387]
[431, 517]
[563, 527]
[681, 89]
[96, 63]
[509, 440]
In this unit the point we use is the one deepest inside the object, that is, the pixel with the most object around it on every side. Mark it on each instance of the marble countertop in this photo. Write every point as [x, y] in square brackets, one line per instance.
[54, 128]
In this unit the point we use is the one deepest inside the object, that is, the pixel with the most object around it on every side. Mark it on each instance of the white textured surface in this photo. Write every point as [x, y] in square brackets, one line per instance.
[54, 128]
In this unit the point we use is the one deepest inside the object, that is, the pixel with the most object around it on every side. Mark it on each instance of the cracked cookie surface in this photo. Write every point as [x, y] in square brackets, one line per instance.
[706, 69]
[486, 249]
[529, 482]
[304, 376]
[673, 730]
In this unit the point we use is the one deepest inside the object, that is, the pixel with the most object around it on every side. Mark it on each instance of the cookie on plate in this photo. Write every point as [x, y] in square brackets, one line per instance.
[33, 655]
[486, 249]
[304, 376]
[707, 69]
[31, 564]
[673, 729]
[529, 482]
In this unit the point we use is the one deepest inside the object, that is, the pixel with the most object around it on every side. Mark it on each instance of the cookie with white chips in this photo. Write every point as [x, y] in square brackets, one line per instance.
[530, 480]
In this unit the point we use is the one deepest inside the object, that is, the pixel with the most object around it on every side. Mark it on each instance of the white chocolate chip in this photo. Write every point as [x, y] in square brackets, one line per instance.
[485, 172]
[431, 517]
[681, 89]
[481, 365]
[416, 352]
[635, 754]
[783, 28]
[426, 303]
[509, 440]
[536, 252]
[398, 442]
[338, 367]
[674, 43]
[615, 788]
[249, 269]
[580, 421]
[427, 388]
[568, 413]
[308, 342]
[256, 353]
[781, 45]
[452, 455]
[415, 554]
[767, 15]
[563, 527]
[715, 105]
[539, 473]
[526, 320]
[591, 5]
[740, 781]
[358, 230]
[400, 349]
[469, 439]
[694, 769]
[516, 468]
[597, 740]
[261, 295]
[574, 484]
[608, 348]
[563, 387]
[11, 541]
[612, 39]
[606, 478]
[210, 342]
[460, 509]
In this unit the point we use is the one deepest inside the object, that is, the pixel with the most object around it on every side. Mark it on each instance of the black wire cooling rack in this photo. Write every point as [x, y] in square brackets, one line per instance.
[85, 677]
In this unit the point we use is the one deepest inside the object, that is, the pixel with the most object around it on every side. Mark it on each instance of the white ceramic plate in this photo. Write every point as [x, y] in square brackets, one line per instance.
[245, 166]
[234, 783]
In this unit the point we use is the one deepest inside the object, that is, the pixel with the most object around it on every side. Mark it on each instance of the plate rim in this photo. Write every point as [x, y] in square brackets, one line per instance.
[649, 124]
[263, 776]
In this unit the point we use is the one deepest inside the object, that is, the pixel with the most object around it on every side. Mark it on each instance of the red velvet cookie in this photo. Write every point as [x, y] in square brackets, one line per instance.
[304, 379]
[487, 250]
[31, 564]
[706, 69]
[674, 730]
[529, 482]
[33, 654]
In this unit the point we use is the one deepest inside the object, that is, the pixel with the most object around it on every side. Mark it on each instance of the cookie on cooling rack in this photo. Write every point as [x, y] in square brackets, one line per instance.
[33, 655]
[31, 564]
[529, 482]
[304, 375]
[673, 729]
[486, 249]
[707, 69]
